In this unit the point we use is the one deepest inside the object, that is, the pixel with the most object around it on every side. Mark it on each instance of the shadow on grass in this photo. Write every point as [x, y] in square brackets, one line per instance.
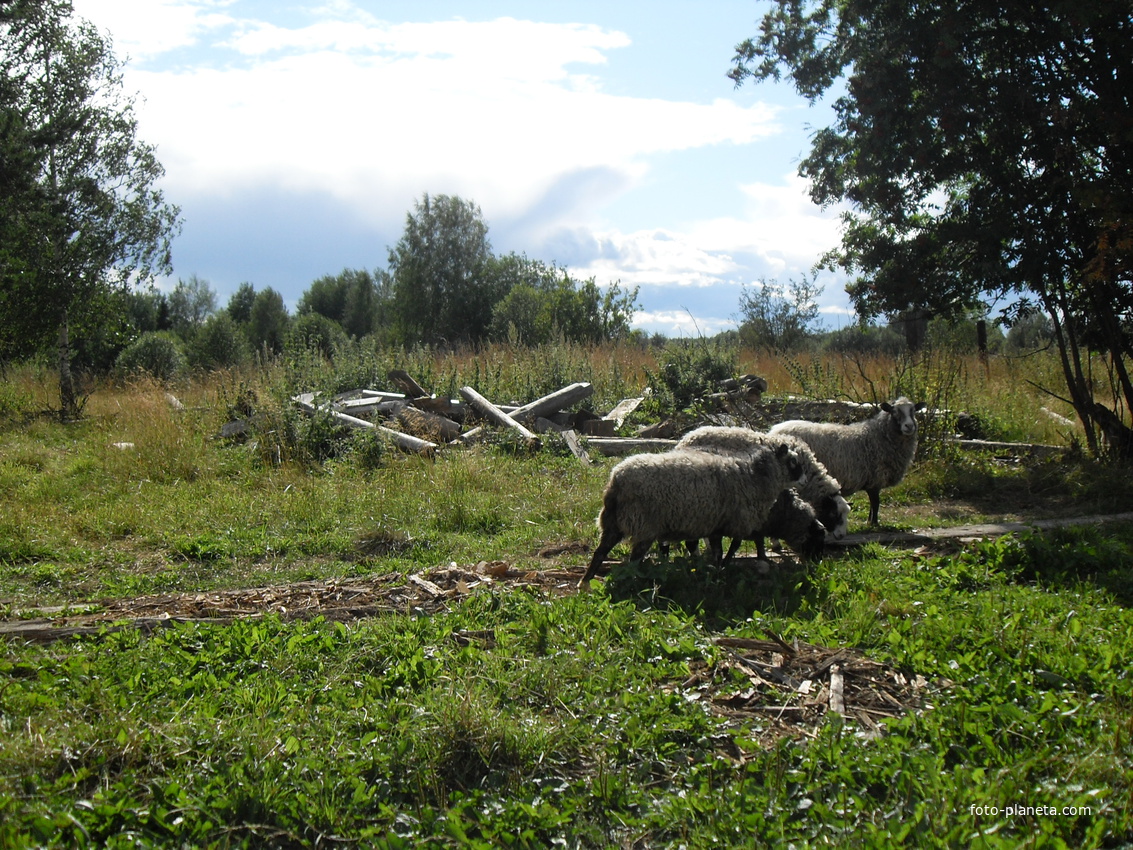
[1067, 558]
[718, 595]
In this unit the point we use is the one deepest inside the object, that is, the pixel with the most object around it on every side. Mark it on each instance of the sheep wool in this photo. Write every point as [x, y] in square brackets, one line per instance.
[819, 487]
[868, 455]
[689, 495]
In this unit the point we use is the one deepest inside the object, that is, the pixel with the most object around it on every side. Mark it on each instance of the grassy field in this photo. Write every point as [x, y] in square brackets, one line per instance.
[576, 720]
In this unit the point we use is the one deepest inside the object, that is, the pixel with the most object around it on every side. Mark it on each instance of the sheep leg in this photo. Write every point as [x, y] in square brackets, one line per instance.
[639, 549]
[761, 547]
[610, 538]
[874, 494]
[691, 546]
[732, 548]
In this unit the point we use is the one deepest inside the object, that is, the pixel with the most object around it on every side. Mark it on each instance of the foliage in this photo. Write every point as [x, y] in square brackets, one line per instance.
[80, 213]
[268, 321]
[356, 299]
[191, 302]
[777, 317]
[315, 331]
[441, 292]
[984, 150]
[218, 344]
[544, 303]
[240, 303]
[156, 353]
[689, 370]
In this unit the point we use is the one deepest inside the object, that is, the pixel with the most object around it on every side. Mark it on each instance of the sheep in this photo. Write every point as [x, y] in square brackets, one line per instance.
[792, 518]
[820, 489]
[867, 455]
[689, 495]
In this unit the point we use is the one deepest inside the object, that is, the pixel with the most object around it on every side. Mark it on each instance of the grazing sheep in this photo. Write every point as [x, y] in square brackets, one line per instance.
[820, 489]
[689, 495]
[866, 455]
[793, 519]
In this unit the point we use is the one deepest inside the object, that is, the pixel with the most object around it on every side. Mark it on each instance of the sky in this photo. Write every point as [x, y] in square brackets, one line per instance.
[602, 136]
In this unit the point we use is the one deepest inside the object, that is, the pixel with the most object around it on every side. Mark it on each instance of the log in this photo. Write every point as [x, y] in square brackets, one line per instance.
[406, 383]
[496, 415]
[405, 442]
[545, 406]
[427, 425]
[576, 448]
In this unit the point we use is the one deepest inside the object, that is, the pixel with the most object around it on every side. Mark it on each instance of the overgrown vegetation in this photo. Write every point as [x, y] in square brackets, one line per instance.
[569, 722]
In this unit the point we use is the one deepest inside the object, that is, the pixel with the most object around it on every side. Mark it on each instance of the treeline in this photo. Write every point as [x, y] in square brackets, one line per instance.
[443, 287]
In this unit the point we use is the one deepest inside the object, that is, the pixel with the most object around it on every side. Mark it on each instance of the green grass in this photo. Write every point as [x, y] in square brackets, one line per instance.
[565, 724]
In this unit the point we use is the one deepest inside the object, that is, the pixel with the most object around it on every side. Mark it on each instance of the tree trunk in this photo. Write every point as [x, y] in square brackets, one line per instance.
[68, 402]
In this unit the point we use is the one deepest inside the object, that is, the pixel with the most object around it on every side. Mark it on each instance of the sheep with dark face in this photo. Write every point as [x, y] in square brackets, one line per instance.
[868, 455]
[689, 495]
[819, 488]
[792, 519]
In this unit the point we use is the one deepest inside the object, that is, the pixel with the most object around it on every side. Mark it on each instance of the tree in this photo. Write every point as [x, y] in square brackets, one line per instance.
[267, 322]
[240, 303]
[440, 287]
[190, 303]
[777, 317]
[80, 214]
[985, 149]
[543, 301]
[355, 299]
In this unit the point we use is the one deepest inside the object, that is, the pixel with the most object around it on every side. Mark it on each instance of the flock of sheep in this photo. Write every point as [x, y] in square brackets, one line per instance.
[789, 483]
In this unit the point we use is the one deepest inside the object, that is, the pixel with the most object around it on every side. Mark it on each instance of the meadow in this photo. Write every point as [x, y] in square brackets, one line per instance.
[579, 720]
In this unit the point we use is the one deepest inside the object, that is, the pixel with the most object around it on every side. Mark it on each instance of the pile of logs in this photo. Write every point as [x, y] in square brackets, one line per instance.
[421, 422]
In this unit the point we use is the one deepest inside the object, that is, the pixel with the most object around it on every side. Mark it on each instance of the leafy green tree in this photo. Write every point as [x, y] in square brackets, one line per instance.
[218, 343]
[777, 317]
[268, 322]
[440, 286]
[240, 303]
[190, 303]
[314, 330]
[356, 299]
[985, 150]
[544, 302]
[81, 213]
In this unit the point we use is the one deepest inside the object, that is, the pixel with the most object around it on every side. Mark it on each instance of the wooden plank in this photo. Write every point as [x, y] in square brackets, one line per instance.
[576, 448]
[406, 442]
[837, 695]
[548, 404]
[498, 416]
[623, 409]
[406, 383]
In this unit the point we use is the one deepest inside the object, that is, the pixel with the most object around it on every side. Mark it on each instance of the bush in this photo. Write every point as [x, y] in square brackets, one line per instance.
[219, 344]
[315, 331]
[157, 353]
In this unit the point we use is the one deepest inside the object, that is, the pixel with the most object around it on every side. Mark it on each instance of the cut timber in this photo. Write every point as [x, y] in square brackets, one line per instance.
[406, 383]
[496, 415]
[406, 442]
[837, 692]
[576, 448]
[623, 409]
[615, 446]
[426, 425]
[545, 406]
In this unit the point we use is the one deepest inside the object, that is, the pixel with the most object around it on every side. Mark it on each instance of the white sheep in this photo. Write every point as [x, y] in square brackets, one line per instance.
[689, 495]
[820, 488]
[867, 455]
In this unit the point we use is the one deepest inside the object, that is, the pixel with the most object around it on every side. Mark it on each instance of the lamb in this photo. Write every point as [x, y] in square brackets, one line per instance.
[688, 495]
[867, 455]
[820, 489]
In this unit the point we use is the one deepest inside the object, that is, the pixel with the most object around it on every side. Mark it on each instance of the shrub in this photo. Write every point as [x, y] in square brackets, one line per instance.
[219, 344]
[157, 353]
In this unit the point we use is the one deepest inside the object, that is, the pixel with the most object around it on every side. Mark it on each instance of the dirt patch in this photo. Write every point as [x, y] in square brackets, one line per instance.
[333, 599]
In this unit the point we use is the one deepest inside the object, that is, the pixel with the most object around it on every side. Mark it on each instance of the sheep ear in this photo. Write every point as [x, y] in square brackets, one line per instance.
[781, 450]
[886, 406]
[920, 406]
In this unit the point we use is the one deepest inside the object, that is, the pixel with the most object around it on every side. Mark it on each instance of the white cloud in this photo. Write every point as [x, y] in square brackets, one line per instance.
[143, 30]
[374, 114]
[680, 323]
